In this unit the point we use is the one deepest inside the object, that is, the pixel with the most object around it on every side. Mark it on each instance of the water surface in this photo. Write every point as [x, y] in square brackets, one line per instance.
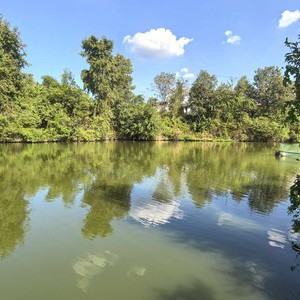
[146, 221]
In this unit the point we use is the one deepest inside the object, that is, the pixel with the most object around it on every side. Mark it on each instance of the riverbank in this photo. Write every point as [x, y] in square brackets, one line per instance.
[150, 141]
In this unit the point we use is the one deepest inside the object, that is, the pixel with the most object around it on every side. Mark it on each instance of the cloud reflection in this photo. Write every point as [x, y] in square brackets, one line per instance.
[277, 238]
[90, 265]
[257, 275]
[136, 271]
[236, 221]
[154, 202]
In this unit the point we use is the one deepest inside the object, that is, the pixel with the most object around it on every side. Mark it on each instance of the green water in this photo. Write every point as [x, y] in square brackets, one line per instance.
[146, 221]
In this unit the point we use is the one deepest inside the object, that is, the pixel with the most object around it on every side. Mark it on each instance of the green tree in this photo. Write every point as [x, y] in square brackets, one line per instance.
[164, 84]
[12, 60]
[67, 78]
[270, 93]
[245, 103]
[177, 98]
[201, 99]
[109, 76]
[137, 120]
[292, 74]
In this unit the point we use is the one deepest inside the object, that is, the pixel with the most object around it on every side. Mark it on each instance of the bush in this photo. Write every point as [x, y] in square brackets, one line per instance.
[174, 129]
[137, 121]
[262, 129]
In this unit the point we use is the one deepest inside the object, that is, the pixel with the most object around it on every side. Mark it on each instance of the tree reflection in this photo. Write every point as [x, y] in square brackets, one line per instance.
[106, 203]
[106, 174]
[294, 209]
[296, 247]
[13, 206]
[197, 290]
[13, 222]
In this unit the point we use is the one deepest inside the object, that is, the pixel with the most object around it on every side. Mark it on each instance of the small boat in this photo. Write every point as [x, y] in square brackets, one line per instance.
[281, 153]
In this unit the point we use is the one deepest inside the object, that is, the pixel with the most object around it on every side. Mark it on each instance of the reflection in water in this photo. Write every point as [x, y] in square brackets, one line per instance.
[14, 209]
[294, 209]
[13, 223]
[135, 271]
[104, 186]
[257, 276]
[196, 290]
[293, 236]
[106, 202]
[146, 180]
[236, 221]
[153, 201]
[90, 265]
[296, 263]
[153, 214]
[277, 238]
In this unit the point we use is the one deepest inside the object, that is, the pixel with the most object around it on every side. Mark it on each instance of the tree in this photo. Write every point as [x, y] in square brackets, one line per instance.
[12, 60]
[270, 92]
[67, 78]
[109, 76]
[201, 101]
[137, 120]
[244, 93]
[177, 98]
[244, 87]
[163, 85]
[292, 74]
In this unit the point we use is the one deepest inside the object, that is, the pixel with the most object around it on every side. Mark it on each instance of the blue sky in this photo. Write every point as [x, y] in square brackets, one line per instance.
[174, 35]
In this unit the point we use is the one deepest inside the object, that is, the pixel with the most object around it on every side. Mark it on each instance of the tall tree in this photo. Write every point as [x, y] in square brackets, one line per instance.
[292, 73]
[67, 78]
[201, 101]
[12, 60]
[244, 87]
[244, 91]
[109, 76]
[164, 84]
[270, 92]
[177, 98]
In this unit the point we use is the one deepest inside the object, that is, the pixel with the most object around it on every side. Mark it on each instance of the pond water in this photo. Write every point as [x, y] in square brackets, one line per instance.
[121, 220]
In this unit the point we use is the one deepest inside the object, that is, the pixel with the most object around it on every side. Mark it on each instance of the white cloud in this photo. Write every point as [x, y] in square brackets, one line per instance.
[288, 17]
[156, 43]
[232, 39]
[184, 70]
[188, 76]
[185, 74]
[235, 40]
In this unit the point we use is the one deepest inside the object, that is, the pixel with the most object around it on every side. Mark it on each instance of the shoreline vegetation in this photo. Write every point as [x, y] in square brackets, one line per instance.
[107, 108]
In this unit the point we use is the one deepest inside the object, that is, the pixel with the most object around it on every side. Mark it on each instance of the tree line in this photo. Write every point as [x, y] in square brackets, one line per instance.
[107, 107]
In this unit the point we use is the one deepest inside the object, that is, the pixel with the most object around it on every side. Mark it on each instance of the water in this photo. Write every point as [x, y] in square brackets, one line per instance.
[146, 221]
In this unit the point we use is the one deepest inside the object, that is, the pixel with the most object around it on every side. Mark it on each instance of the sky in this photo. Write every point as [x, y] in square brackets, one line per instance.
[228, 38]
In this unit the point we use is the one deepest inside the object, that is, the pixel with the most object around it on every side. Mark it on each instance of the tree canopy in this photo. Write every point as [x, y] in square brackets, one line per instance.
[292, 75]
[109, 76]
[12, 60]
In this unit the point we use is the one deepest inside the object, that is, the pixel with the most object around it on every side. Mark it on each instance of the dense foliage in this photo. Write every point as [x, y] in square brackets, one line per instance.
[107, 108]
[292, 75]
[295, 203]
